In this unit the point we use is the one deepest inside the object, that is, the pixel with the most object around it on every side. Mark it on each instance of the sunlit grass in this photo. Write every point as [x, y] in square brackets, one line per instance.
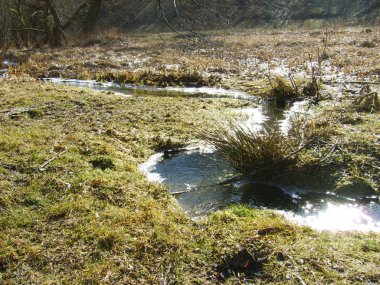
[249, 150]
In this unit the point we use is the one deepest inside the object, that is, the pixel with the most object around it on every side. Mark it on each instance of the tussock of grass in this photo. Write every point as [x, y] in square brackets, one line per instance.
[103, 163]
[368, 44]
[161, 79]
[311, 89]
[369, 103]
[269, 153]
[282, 91]
[248, 150]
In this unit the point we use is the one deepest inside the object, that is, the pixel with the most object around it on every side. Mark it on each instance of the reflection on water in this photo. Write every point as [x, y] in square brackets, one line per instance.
[5, 67]
[92, 84]
[340, 217]
[195, 174]
[130, 89]
[196, 171]
[269, 115]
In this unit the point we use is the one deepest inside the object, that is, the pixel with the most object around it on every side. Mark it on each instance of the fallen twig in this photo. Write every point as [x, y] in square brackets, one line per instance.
[359, 99]
[301, 280]
[352, 82]
[183, 192]
[46, 163]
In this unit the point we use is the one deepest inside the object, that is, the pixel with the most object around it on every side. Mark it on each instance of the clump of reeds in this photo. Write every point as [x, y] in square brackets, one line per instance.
[367, 101]
[282, 90]
[160, 79]
[248, 150]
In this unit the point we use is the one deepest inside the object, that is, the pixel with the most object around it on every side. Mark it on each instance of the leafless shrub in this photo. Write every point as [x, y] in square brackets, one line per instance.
[4, 31]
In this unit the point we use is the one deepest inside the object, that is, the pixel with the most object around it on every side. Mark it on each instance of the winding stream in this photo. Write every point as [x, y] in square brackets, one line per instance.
[192, 175]
[135, 90]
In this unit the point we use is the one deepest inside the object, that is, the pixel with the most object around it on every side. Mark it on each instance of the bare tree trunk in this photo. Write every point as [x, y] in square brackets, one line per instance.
[59, 38]
[92, 16]
[5, 41]
[23, 33]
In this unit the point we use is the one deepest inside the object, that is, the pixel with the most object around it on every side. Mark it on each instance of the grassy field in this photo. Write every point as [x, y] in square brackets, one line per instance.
[75, 210]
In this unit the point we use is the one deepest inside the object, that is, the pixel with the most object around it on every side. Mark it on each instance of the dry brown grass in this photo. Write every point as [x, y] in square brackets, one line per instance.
[242, 60]
[282, 90]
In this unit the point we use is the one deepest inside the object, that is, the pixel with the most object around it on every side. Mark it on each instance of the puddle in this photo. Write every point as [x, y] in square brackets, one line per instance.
[193, 176]
[5, 67]
[339, 217]
[195, 173]
[268, 114]
[91, 84]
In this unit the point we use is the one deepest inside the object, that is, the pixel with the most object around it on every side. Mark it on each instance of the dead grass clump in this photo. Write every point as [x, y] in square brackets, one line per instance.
[160, 79]
[282, 91]
[324, 56]
[247, 150]
[310, 89]
[370, 103]
[368, 44]
[91, 42]
[367, 101]
[102, 163]
[271, 154]
[376, 70]
[108, 37]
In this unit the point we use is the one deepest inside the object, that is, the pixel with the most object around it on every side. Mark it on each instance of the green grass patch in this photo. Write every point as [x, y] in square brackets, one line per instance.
[74, 223]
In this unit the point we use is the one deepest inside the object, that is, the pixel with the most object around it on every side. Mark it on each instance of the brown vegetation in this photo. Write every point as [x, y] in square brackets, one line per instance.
[252, 151]
[241, 61]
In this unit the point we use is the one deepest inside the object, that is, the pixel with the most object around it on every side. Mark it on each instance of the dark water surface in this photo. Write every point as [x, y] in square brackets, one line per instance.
[196, 173]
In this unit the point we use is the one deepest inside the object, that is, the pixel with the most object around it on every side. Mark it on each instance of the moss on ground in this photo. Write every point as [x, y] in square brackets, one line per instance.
[75, 210]
[347, 155]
